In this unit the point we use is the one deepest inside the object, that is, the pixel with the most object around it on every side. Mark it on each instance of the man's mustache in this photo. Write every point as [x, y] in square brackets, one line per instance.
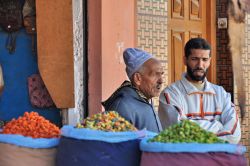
[199, 69]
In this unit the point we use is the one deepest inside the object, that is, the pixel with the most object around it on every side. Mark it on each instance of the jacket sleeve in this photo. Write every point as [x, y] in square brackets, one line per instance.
[169, 110]
[231, 131]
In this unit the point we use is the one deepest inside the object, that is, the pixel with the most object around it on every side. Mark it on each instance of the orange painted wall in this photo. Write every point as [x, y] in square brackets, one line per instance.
[117, 32]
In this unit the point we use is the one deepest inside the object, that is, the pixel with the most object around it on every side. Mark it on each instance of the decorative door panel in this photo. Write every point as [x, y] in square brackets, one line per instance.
[187, 19]
[178, 9]
[194, 34]
[177, 60]
[195, 10]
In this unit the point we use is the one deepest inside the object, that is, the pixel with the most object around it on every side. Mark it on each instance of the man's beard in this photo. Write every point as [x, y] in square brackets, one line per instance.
[190, 73]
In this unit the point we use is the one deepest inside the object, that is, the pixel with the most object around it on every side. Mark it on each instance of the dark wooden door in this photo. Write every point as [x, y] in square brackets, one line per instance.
[186, 19]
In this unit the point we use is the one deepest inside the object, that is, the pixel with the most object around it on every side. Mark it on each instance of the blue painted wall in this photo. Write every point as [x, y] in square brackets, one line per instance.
[17, 67]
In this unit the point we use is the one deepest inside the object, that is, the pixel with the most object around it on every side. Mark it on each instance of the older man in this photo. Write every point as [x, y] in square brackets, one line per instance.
[132, 99]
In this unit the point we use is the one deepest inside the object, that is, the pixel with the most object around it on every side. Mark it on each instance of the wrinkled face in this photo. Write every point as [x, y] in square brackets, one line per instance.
[197, 64]
[149, 78]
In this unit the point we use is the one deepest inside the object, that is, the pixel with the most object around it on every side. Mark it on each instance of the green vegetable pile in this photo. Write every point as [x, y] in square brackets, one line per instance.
[186, 131]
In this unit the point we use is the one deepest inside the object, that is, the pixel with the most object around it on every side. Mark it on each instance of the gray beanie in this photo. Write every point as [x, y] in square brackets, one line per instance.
[134, 58]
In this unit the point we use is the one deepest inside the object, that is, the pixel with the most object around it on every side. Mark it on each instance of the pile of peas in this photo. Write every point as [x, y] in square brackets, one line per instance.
[186, 131]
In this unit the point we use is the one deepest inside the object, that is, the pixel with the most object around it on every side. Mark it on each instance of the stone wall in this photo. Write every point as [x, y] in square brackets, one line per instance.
[245, 140]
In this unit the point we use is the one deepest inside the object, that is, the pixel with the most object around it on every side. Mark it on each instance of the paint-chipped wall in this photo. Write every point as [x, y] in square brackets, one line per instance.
[73, 115]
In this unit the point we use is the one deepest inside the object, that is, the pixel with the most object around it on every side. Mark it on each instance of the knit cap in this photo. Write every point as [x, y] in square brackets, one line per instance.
[134, 58]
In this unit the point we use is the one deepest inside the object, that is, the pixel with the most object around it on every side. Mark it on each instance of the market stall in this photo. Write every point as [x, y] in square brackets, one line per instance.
[108, 139]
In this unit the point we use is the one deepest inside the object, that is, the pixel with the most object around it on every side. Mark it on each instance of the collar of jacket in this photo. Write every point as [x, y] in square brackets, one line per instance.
[191, 89]
[127, 84]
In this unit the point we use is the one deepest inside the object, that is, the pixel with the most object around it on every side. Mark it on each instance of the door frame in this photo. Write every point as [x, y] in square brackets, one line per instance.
[211, 37]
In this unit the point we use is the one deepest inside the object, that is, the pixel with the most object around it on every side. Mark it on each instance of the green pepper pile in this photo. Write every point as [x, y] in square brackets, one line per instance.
[186, 131]
[107, 121]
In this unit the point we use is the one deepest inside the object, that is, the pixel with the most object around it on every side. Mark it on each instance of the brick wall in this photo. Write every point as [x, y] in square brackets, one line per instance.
[224, 67]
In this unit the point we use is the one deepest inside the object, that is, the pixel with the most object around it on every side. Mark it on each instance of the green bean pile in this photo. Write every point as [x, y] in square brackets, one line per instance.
[186, 131]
